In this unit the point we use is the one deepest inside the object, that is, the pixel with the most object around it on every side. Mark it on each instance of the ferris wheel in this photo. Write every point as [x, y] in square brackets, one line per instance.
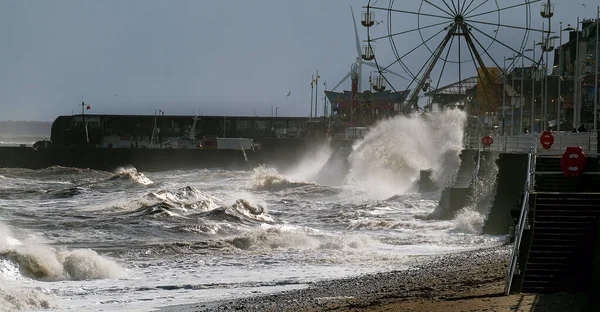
[437, 43]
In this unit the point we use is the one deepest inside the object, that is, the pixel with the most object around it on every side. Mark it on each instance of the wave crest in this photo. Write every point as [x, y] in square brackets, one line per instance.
[266, 178]
[242, 211]
[131, 174]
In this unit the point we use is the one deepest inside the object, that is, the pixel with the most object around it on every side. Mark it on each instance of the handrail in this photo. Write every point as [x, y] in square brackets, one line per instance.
[520, 226]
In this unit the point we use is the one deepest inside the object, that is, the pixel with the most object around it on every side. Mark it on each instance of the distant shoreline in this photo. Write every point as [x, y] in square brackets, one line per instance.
[16, 140]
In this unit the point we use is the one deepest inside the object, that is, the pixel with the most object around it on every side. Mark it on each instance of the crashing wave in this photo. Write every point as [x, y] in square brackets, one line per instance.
[242, 211]
[186, 197]
[131, 174]
[49, 265]
[266, 178]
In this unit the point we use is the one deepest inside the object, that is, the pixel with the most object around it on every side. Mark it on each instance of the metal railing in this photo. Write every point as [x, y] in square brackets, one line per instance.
[522, 223]
[523, 143]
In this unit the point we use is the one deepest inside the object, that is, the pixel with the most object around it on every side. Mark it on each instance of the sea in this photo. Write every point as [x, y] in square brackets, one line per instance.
[86, 240]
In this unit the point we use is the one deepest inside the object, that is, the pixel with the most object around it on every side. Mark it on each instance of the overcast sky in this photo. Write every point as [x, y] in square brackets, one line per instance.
[225, 57]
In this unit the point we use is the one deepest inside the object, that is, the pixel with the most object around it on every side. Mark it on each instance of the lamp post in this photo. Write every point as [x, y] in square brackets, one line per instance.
[560, 73]
[547, 11]
[576, 79]
[312, 86]
[504, 93]
[522, 97]
[533, 77]
[317, 95]
[597, 64]
[547, 46]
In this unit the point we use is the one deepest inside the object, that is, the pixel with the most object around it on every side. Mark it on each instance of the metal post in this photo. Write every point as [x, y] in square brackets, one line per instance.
[325, 100]
[521, 97]
[597, 64]
[546, 87]
[560, 60]
[512, 99]
[533, 75]
[312, 85]
[576, 80]
[503, 96]
[317, 95]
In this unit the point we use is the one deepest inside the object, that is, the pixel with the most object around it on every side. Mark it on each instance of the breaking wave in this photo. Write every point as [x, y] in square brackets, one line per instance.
[40, 262]
[242, 211]
[186, 197]
[388, 160]
[266, 178]
[288, 237]
[131, 174]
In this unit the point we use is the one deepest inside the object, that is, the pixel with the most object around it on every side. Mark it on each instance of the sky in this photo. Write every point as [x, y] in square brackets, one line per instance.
[226, 57]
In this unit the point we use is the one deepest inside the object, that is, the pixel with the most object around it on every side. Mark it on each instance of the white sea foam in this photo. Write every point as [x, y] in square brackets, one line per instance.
[468, 220]
[18, 298]
[13, 295]
[388, 160]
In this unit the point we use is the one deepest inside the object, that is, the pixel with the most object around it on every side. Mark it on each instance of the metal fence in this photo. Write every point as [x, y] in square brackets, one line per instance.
[530, 142]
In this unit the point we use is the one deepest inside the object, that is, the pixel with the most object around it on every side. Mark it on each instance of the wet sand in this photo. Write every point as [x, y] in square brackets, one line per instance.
[465, 281]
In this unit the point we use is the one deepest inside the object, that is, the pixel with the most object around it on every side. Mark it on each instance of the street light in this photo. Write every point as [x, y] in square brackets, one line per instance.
[504, 93]
[547, 46]
[547, 11]
[597, 63]
[522, 98]
[533, 77]
[560, 73]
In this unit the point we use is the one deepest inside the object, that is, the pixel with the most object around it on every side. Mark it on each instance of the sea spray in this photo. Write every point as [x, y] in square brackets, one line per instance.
[310, 165]
[388, 160]
[472, 217]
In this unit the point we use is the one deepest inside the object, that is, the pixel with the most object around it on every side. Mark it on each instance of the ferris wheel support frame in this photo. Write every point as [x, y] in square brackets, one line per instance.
[415, 94]
[460, 27]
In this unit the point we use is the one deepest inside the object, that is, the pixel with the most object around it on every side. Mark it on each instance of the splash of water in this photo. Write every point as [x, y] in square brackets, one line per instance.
[310, 165]
[37, 260]
[471, 219]
[14, 297]
[133, 175]
[388, 160]
[267, 178]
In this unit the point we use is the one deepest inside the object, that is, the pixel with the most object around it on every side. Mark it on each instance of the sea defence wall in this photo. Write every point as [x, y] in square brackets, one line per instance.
[273, 152]
[457, 191]
[142, 159]
[510, 184]
[282, 153]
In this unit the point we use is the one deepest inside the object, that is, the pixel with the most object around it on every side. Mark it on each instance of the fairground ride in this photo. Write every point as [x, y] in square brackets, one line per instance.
[437, 43]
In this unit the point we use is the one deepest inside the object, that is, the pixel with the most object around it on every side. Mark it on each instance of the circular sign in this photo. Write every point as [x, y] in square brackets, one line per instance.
[573, 161]
[487, 141]
[546, 139]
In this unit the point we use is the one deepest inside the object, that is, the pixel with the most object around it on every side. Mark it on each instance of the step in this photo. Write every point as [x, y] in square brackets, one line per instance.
[545, 266]
[553, 286]
[556, 241]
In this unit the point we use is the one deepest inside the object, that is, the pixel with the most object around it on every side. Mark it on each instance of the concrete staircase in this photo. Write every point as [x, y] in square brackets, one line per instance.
[557, 249]
[563, 230]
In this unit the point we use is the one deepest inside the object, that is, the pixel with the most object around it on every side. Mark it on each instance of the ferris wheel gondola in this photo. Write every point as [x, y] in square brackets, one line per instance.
[442, 42]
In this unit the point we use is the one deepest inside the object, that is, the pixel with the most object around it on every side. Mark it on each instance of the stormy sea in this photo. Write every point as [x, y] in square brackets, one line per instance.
[84, 240]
